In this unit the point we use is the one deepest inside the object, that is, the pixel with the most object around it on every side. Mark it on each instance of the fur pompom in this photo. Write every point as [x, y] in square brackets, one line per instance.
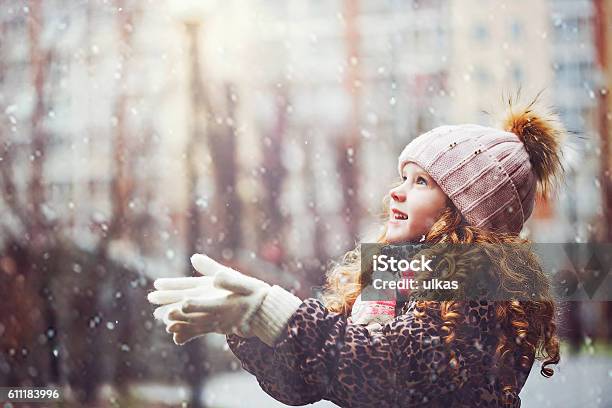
[542, 136]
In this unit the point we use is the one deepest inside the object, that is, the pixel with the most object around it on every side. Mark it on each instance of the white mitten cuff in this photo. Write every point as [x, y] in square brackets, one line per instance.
[274, 313]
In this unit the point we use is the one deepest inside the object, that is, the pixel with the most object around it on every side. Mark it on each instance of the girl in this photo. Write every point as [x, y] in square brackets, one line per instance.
[460, 184]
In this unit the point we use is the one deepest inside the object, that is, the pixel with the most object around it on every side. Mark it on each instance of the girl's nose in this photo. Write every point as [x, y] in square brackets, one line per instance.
[398, 195]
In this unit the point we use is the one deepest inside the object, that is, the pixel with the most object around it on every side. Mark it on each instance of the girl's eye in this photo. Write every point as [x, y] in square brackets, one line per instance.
[404, 178]
[420, 178]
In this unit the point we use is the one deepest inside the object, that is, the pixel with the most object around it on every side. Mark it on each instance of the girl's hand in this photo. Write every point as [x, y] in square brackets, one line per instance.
[172, 290]
[170, 294]
[222, 302]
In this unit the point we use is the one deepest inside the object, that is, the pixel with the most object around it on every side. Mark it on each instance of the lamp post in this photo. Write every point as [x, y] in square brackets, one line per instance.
[191, 13]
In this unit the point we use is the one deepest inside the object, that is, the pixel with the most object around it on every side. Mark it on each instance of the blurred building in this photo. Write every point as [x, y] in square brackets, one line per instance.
[375, 74]
[314, 85]
[576, 83]
[496, 48]
[100, 119]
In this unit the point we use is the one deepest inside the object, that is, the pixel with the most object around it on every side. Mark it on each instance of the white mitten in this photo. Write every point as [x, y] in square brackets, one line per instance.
[225, 301]
[172, 291]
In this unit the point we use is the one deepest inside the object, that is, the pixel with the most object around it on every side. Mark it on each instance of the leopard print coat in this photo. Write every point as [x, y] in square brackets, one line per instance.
[322, 355]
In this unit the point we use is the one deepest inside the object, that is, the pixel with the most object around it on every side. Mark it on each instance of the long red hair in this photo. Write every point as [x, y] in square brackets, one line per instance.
[528, 327]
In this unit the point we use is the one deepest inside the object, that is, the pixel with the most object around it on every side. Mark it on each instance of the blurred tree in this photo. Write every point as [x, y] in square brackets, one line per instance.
[60, 299]
[272, 145]
[602, 32]
[314, 272]
[221, 140]
[348, 145]
[24, 286]
[122, 181]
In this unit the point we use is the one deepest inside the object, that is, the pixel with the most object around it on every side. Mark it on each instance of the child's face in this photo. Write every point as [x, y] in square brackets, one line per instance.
[419, 200]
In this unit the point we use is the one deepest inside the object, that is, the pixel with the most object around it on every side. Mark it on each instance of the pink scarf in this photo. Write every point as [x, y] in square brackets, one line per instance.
[377, 312]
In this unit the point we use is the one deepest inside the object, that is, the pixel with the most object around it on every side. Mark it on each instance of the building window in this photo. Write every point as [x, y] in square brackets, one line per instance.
[481, 32]
[517, 74]
[516, 30]
[482, 76]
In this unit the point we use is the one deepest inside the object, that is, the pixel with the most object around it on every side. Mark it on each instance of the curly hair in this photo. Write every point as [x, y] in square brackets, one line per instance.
[528, 326]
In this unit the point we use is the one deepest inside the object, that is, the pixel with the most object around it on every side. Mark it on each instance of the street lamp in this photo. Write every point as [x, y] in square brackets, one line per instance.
[191, 14]
[190, 11]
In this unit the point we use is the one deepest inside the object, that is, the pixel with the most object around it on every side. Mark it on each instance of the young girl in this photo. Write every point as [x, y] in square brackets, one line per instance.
[460, 184]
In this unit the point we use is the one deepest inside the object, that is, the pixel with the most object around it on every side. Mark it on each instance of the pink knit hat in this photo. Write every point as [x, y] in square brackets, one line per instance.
[491, 175]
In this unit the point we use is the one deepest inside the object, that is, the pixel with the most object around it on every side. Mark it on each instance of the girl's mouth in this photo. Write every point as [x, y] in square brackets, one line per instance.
[397, 215]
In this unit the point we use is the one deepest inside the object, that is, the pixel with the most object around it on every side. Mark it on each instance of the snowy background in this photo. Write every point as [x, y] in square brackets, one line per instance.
[265, 134]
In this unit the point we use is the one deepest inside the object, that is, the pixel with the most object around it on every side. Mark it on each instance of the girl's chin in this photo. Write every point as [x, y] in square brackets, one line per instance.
[396, 236]
[398, 228]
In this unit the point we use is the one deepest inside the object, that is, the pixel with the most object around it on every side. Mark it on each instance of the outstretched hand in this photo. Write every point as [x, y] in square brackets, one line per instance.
[221, 301]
